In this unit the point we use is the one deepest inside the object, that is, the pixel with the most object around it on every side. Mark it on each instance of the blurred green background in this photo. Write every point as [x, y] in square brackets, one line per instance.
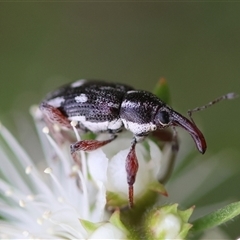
[195, 46]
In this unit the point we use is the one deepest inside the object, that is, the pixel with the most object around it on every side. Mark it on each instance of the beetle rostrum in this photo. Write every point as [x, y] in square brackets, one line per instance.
[99, 106]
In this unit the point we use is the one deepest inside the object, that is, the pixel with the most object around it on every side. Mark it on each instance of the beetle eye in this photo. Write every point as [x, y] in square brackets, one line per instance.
[163, 117]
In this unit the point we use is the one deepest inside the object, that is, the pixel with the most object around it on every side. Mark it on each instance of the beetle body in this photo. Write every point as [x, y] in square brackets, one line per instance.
[107, 107]
[94, 105]
[99, 106]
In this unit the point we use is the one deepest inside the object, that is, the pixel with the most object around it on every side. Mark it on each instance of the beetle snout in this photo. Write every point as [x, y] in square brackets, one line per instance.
[192, 129]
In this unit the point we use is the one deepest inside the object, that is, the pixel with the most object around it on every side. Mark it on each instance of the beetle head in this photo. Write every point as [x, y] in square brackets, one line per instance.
[168, 117]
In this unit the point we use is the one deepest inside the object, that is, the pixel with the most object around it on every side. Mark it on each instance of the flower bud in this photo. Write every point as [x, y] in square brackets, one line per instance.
[167, 223]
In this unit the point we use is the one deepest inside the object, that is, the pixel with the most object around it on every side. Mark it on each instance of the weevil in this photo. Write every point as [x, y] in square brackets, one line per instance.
[99, 106]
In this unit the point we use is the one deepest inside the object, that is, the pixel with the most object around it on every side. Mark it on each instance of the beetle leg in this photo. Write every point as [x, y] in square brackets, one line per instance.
[175, 143]
[90, 145]
[165, 136]
[52, 118]
[131, 166]
[54, 115]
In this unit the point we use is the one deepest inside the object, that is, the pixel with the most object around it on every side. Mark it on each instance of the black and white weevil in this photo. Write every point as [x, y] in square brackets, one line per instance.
[99, 106]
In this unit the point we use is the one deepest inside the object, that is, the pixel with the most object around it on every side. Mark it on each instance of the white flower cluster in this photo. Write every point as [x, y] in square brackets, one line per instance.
[57, 200]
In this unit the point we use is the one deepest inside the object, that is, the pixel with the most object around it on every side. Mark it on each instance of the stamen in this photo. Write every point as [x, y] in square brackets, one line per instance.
[22, 203]
[47, 214]
[8, 192]
[85, 195]
[35, 112]
[28, 170]
[13, 144]
[66, 164]
[55, 180]
[25, 233]
[40, 221]
[68, 228]
[74, 124]
[56, 128]
[48, 171]
[45, 130]
[30, 198]
[75, 168]
[82, 153]
[60, 199]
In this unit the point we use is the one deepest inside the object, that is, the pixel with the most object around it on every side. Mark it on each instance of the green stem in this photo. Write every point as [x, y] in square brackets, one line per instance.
[216, 218]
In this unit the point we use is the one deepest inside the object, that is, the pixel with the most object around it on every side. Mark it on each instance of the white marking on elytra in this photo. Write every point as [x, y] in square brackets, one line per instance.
[56, 102]
[130, 104]
[113, 105]
[78, 83]
[81, 98]
[138, 128]
[132, 91]
[96, 127]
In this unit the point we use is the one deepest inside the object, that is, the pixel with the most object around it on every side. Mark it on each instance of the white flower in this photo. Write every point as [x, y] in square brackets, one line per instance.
[55, 197]
[111, 160]
[60, 198]
[50, 202]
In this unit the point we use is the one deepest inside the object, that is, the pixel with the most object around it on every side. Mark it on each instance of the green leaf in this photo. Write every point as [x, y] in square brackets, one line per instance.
[115, 200]
[158, 187]
[116, 221]
[162, 91]
[216, 218]
[89, 226]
